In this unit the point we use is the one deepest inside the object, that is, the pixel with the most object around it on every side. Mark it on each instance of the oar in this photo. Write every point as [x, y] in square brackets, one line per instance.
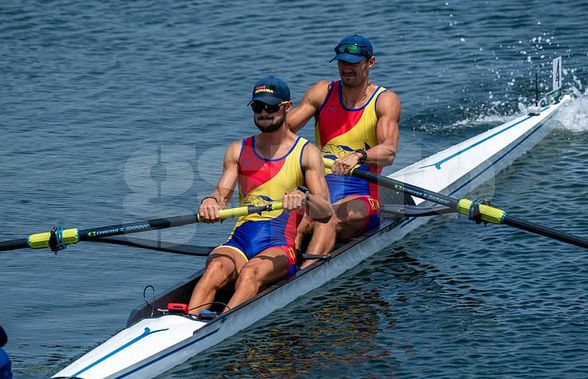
[59, 238]
[484, 212]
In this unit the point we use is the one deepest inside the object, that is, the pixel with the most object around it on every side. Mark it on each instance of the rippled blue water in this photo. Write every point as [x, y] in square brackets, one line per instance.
[91, 93]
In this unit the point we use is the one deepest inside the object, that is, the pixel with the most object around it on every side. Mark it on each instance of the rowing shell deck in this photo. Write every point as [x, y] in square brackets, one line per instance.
[154, 341]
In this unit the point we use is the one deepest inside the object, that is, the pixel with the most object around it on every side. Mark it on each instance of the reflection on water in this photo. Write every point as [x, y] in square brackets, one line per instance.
[337, 331]
[342, 329]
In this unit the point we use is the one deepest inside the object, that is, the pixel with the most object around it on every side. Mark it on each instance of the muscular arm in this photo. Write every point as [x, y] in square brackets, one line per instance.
[383, 154]
[318, 205]
[218, 199]
[308, 106]
[388, 112]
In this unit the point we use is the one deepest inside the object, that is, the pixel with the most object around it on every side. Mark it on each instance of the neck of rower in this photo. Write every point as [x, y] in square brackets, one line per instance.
[276, 144]
[355, 97]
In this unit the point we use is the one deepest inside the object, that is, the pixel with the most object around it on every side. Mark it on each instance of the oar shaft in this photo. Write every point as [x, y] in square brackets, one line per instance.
[73, 235]
[397, 185]
[170, 222]
[14, 244]
[463, 206]
[137, 227]
[545, 231]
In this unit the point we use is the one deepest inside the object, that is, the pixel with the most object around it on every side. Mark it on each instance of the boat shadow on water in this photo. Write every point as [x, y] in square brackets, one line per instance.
[340, 326]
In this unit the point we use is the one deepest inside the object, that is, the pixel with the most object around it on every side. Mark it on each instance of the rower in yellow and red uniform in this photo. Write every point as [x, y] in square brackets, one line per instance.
[274, 165]
[356, 123]
[261, 181]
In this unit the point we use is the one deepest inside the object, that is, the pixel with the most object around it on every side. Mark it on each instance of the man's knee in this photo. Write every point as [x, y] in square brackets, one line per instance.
[217, 272]
[351, 211]
[250, 276]
[217, 265]
[249, 272]
[353, 216]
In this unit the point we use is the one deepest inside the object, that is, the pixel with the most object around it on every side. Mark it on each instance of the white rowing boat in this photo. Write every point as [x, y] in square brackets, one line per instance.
[156, 340]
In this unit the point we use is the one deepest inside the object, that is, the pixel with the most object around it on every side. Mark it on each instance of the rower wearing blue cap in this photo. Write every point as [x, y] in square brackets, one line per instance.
[356, 124]
[272, 166]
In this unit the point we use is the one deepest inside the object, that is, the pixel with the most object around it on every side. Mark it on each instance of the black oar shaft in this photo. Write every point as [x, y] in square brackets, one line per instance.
[14, 244]
[545, 231]
[137, 227]
[397, 185]
[488, 213]
[73, 235]
[169, 222]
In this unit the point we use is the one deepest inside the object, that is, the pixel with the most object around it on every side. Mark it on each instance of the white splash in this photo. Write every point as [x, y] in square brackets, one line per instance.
[575, 116]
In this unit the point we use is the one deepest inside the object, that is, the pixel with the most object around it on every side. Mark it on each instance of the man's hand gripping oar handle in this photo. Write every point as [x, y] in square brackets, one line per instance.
[59, 238]
[247, 210]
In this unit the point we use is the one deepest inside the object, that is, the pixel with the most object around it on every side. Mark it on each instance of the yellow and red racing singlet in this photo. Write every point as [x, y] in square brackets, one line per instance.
[339, 131]
[261, 181]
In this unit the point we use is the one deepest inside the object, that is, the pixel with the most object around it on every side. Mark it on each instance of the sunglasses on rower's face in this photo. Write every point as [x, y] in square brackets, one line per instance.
[351, 49]
[259, 106]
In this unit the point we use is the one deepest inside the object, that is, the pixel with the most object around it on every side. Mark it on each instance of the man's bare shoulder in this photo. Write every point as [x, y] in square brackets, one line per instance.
[322, 86]
[236, 144]
[389, 95]
[311, 147]
[388, 100]
[234, 150]
[312, 156]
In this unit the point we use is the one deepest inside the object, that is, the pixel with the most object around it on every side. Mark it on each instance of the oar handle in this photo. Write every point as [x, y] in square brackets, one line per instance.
[328, 162]
[60, 238]
[247, 210]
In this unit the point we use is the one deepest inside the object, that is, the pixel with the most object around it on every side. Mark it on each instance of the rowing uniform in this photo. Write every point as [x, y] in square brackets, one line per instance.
[262, 181]
[339, 131]
[5, 365]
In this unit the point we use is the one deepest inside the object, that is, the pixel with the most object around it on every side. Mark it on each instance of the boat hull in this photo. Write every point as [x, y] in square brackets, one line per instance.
[155, 342]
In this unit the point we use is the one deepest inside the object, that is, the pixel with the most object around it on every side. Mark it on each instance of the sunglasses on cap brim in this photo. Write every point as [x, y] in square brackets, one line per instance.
[352, 49]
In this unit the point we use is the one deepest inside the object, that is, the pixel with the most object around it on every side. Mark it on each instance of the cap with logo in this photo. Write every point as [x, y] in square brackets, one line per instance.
[270, 90]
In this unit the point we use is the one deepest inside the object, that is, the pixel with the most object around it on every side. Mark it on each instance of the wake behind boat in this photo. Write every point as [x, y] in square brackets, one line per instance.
[159, 337]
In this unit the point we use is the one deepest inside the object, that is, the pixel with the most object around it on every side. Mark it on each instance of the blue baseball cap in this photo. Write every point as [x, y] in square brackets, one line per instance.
[353, 49]
[270, 90]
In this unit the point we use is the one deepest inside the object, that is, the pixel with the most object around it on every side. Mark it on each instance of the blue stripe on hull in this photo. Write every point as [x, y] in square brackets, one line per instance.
[438, 164]
[146, 333]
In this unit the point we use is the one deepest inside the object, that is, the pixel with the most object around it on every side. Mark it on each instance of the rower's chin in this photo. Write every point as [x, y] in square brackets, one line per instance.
[269, 127]
[265, 125]
[349, 80]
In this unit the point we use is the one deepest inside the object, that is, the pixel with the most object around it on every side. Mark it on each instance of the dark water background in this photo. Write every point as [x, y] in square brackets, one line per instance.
[93, 93]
